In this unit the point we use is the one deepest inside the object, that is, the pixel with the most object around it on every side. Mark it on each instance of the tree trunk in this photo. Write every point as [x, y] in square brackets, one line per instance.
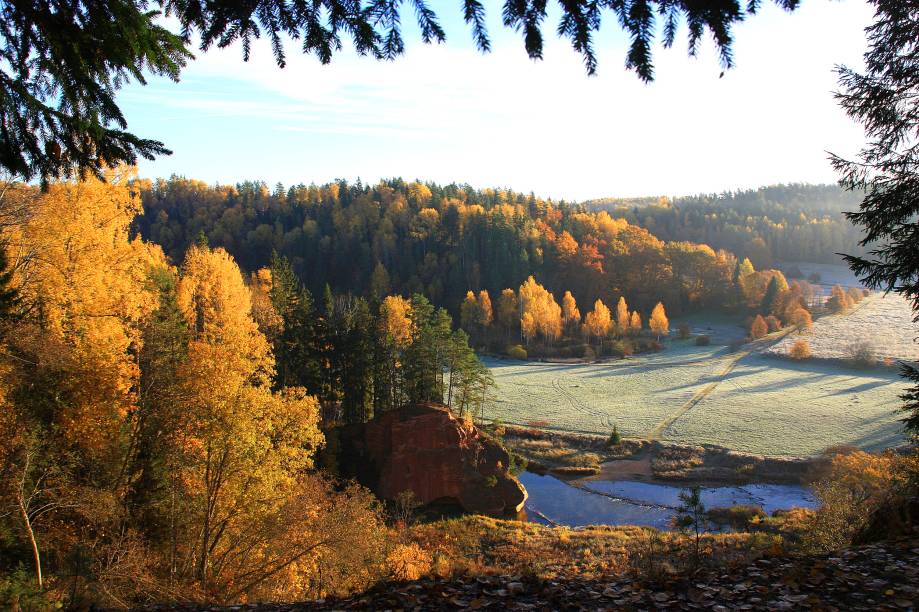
[27, 525]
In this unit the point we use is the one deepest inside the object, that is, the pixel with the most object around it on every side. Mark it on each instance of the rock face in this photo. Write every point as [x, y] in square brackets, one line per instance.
[426, 450]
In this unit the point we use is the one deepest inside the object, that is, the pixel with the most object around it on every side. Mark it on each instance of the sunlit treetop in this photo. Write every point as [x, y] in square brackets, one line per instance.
[62, 62]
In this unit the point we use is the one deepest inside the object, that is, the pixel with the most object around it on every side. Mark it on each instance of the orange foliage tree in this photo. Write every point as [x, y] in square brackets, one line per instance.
[759, 327]
[658, 322]
[598, 321]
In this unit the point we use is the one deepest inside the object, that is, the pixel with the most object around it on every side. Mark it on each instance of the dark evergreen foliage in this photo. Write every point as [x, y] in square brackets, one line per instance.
[9, 298]
[885, 101]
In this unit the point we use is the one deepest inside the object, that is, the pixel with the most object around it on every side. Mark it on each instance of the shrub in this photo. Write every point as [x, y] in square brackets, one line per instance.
[861, 355]
[773, 323]
[801, 319]
[739, 516]
[589, 353]
[758, 328]
[839, 300]
[703, 340]
[516, 352]
[620, 348]
[405, 506]
[800, 350]
[408, 562]
[854, 484]
[855, 295]
[684, 331]
[614, 438]
[736, 345]
[517, 464]
[866, 292]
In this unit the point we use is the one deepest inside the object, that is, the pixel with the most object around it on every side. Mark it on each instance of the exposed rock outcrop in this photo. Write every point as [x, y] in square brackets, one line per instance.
[426, 450]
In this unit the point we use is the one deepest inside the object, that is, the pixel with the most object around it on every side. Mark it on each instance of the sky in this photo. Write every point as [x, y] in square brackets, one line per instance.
[447, 113]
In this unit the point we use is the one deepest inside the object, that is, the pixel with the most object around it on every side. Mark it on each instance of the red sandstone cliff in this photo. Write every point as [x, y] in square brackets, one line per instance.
[425, 449]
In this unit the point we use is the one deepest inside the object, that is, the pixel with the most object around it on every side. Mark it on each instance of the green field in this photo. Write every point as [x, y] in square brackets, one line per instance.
[760, 404]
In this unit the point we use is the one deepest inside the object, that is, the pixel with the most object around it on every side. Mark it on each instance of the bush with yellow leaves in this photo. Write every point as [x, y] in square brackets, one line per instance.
[408, 562]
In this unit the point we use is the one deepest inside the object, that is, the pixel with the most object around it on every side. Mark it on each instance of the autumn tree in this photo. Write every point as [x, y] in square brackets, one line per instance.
[759, 327]
[395, 336]
[839, 300]
[658, 322]
[635, 323]
[485, 308]
[801, 319]
[508, 310]
[598, 322]
[623, 320]
[539, 311]
[140, 423]
[570, 313]
[800, 350]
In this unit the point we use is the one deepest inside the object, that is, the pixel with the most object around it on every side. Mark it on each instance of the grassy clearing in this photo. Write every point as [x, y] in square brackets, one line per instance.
[882, 321]
[776, 407]
[764, 405]
[635, 394]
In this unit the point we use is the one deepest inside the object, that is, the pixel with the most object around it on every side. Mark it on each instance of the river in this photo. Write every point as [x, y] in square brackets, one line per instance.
[623, 502]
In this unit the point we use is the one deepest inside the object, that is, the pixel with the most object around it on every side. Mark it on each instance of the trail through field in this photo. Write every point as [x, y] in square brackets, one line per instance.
[759, 345]
[747, 400]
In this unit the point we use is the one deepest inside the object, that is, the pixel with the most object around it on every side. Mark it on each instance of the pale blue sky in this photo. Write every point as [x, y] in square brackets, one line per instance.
[447, 113]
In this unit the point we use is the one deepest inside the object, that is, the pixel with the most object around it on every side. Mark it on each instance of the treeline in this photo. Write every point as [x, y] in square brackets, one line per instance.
[159, 423]
[404, 238]
[769, 225]
[548, 328]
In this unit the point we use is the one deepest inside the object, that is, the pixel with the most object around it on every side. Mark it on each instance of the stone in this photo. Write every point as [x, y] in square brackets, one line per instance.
[425, 449]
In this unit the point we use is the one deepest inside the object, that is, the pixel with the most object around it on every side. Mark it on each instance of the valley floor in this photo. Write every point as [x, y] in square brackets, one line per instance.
[747, 400]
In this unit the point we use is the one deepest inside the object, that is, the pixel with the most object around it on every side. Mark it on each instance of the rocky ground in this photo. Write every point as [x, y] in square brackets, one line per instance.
[875, 577]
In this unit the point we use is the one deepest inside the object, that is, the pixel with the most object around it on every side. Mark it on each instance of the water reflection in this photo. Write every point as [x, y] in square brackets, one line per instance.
[603, 502]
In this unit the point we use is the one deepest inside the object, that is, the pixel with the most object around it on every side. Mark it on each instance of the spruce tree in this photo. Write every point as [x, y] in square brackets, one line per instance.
[885, 101]
[772, 290]
[10, 302]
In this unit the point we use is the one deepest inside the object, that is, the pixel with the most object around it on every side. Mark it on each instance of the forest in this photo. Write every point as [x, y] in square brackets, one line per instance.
[769, 225]
[161, 419]
[165, 404]
[405, 238]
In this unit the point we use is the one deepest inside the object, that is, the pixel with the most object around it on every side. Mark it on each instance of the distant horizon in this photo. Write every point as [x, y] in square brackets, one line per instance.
[537, 194]
[445, 111]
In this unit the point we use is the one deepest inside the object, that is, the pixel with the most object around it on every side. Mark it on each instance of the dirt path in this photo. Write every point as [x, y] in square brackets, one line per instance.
[754, 347]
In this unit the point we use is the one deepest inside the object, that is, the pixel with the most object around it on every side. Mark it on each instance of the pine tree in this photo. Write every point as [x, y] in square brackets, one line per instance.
[10, 303]
[772, 290]
[885, 101]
